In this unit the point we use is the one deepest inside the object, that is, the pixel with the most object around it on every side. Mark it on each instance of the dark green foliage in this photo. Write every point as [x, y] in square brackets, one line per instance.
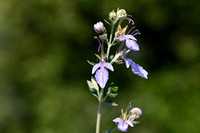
[44, 48]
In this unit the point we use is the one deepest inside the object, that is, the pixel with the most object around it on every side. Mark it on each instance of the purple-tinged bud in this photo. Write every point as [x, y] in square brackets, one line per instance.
[121, 13]
[136, 111]
[98, 27]
[112, 16]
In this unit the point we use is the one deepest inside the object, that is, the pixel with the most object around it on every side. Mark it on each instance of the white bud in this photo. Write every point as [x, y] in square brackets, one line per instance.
[121, 13]
[112, 15]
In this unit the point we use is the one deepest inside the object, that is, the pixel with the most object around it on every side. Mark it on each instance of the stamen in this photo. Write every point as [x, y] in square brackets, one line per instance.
[135, 32]
[131, 29]
[129, 105]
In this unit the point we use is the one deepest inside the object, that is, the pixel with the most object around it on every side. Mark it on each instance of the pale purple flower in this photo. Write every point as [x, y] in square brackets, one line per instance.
[137, 112]
[102, 74]
[123, 124]
[130, 42]
[98, 27]
[136, 69]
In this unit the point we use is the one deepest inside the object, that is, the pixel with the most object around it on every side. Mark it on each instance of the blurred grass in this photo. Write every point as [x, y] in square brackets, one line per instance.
[44, 46]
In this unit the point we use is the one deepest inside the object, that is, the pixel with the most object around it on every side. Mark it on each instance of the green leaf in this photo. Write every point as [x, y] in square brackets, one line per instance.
[93, 87]
[94, 92]
[110, 102]
[114, 89]
[91, 63]
[108, 131]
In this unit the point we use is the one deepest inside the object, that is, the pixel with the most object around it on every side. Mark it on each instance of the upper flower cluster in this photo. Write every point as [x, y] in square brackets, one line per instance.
[118, 36]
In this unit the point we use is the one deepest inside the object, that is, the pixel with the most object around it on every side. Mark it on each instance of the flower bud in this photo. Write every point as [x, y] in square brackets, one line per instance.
[112, 16]
[121, 13]
[98, 27]
[137, 112]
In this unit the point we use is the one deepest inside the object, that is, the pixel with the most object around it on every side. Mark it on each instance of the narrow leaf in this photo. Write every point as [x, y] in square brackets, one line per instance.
[91, 63]
[114, 89]
[111, 103]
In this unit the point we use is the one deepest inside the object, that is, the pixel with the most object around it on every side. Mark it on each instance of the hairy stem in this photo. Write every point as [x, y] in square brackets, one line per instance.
[98, 124]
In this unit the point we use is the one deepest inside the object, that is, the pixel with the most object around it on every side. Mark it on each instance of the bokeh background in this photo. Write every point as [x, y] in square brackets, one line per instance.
[44, 48]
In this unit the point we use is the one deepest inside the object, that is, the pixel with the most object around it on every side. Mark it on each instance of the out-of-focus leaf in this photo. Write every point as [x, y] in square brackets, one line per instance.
[110, 102]
[135, 122]
[107, 131]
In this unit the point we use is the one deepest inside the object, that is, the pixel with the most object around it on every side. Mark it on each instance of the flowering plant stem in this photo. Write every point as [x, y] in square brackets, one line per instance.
[99, 112]
[102, 91]
[110, 44]
[97, 85]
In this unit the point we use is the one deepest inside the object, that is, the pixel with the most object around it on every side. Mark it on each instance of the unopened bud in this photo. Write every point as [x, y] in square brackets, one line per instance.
[112, 16]
[98, 27]
[121, 13]
[137, 112]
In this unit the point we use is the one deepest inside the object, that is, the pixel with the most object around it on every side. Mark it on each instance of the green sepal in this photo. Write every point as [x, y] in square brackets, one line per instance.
[91, 63]
[110, 102]
[103, 37]
[108, 131]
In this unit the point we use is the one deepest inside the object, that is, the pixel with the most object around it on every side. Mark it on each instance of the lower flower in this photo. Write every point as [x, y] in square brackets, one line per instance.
[123, 124]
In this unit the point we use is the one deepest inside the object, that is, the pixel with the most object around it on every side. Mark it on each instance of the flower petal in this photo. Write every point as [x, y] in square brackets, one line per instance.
[131, 37]
[122, 126]
[118, 119]
[109, 66]
[121, 38]
[129, 123]
[137, 69]
[131, 44]
[95, 67]
[128, 62]
[101, 77]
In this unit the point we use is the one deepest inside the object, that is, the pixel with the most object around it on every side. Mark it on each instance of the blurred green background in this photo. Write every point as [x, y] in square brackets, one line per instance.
[44, 48]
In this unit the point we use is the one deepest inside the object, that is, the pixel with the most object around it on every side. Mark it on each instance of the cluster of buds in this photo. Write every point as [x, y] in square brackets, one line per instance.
[128, 118]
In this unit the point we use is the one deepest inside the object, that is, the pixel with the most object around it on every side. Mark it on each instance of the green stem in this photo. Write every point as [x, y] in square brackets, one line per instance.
[99, 112]
[114, 129]
[110, 40]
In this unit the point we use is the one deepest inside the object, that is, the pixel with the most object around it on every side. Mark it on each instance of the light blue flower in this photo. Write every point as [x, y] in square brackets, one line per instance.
[130, 42]
[102, 74]
[123, 124]
[136, 69]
